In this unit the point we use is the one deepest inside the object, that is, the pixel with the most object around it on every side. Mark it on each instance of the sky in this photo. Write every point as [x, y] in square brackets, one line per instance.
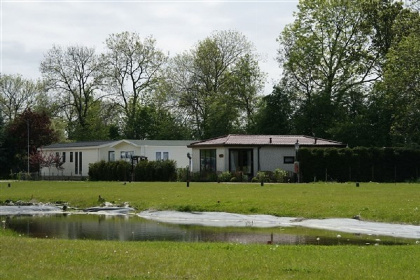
[29, 28]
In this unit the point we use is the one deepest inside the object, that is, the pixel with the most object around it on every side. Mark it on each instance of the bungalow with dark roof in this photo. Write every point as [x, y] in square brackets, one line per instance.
[252, 153]
[76, 157]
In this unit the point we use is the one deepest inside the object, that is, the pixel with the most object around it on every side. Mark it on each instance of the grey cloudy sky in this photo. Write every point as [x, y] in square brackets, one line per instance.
[30, 28]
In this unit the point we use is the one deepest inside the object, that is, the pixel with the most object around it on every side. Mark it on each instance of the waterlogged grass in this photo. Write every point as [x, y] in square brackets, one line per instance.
[397, 203]
[30, 258]
[25, 258]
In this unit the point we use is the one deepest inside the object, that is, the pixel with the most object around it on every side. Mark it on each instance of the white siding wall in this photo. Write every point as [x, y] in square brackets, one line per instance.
[88, 156]
[176, 153]
[273, 157]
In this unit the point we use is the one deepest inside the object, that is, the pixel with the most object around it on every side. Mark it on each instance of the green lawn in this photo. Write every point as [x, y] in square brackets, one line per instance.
[29, 258]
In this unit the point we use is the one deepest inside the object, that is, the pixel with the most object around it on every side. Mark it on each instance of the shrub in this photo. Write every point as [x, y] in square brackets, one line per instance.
[261, 176]
[109, 171]
[280, 175]
[224, 176]
[164, 170]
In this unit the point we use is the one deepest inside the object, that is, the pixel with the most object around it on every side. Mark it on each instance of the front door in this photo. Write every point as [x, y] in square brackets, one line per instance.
[241, 160]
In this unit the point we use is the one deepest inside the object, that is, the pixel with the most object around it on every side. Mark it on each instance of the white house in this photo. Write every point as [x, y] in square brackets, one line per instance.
[77, 156]
[252, 153]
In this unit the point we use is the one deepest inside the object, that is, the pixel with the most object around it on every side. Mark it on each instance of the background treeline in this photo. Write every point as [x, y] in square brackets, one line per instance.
[164, 170]
[359, 164]
[350, 72]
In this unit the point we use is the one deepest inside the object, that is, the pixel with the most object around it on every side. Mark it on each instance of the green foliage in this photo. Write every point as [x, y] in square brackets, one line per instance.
[360, 164]
[182, 174]
[261, 177]
[75, 75]
[280, 175]
[224, 176]
[110, 171]
[216, 84]
[3, 153]
[164, 170]
[402, 86]
[275, 113]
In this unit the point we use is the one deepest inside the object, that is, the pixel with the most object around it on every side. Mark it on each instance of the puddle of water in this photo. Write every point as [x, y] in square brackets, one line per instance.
[133, 228]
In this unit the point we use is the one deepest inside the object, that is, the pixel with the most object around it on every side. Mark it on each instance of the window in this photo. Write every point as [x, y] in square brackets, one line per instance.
[289, 160]
[208, 160]
[64, 157]
[76, 163]
[80, 163]
[162, 156]
[111, 156]
[241, 160]
[71, 156]
[127, 154]
[165, 155]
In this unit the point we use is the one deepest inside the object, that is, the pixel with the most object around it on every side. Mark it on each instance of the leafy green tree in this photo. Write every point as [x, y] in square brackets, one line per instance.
[215, 83]
[326, 57]
[133, 68]
[151, 122]
[16, 95]
[75, 76]
[402, 84]
[275, 113]
[381, 16]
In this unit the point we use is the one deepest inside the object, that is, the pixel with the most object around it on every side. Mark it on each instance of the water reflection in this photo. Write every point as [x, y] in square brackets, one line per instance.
[124, 228]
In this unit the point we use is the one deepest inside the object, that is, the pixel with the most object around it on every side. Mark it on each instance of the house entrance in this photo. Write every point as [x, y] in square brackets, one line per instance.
[241, 160]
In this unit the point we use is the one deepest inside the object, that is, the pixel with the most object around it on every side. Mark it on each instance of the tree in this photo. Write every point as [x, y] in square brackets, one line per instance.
[326, 56]
[75, 74]
[216, 83]
[132, 68]
[247, 81]
[151, 122]
[38, 125]
[39, 160]
[16, 95]
[275, 113]
[3, 151]
[402, 86]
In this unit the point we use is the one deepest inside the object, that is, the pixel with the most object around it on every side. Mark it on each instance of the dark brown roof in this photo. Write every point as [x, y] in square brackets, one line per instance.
[265, 140]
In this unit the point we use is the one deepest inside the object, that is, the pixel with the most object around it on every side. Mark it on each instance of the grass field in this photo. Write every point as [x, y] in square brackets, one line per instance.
[26, 258]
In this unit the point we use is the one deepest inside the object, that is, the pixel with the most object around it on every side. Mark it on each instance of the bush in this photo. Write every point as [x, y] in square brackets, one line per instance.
[182, 174]
[143, 171]
[224, 176]
[280, 175]
[164, 170]
[261, 176]
[109, 171]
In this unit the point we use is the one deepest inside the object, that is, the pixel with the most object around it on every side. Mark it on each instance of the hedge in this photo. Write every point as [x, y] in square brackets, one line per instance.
[359, 164]
[164, 170]
[143, 171]
[109, 171]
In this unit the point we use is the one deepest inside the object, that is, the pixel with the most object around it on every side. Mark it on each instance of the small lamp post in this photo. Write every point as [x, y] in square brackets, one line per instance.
[297, 171]
[189, 168]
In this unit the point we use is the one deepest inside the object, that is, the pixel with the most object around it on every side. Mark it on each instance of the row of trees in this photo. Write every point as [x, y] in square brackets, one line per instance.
[133, 90]
[350, 73]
